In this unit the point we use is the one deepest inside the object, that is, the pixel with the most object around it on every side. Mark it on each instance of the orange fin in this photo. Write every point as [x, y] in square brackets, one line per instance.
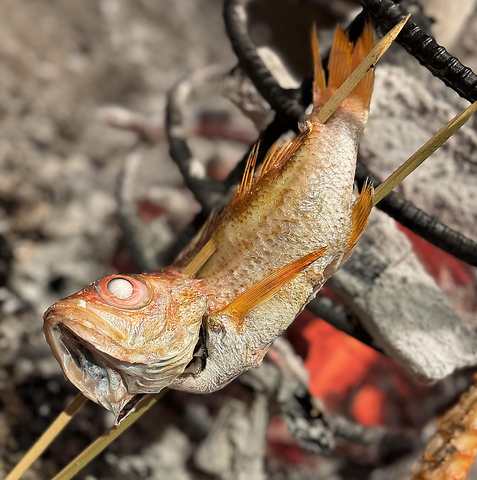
[261, 291]
[363, 46]
[247, 179]
[344, 58]
[359, 216]
[340, 63]
[277, 156]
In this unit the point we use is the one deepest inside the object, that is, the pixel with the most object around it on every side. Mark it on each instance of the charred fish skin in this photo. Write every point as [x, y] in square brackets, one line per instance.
[289, 227]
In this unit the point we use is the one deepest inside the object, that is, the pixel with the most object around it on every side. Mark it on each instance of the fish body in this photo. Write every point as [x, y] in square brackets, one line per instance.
[277, 226]
[289, 228]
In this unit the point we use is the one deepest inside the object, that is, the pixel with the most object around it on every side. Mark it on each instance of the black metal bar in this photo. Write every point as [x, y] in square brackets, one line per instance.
[422, 224]
[281, 100]
[425, 49]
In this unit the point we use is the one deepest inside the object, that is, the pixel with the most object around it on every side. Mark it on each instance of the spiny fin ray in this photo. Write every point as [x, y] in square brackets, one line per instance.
[276, 157]
[247, 179]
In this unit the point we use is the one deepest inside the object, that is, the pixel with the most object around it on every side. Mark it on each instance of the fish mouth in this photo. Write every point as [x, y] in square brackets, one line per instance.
[92, 356]
[91, 371]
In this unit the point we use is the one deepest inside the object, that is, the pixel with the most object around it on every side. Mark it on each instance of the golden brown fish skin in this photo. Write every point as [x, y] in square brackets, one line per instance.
[302, 207]
[284, 234]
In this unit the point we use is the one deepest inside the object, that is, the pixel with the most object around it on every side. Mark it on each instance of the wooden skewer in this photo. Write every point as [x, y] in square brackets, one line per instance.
[109, 436]
[48, 436]
[424, 152]
[199, 260]
[360, 71]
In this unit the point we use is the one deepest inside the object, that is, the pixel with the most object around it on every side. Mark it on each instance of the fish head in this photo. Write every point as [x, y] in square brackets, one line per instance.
[126, 334]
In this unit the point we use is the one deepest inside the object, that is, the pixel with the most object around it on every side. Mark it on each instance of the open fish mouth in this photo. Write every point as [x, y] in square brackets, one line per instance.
[91, 371]
[103, 363]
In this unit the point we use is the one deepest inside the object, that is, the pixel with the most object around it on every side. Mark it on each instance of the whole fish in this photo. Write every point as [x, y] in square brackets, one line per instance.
[200, 323]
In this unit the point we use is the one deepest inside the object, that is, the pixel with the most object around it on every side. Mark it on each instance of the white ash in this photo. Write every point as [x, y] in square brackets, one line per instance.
[165, 458]
[401, 306]
[234, 449]
[408, 107]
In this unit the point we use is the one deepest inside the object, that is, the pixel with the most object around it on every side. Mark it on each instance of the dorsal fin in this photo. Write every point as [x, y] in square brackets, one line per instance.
[247, 180]
[277, 156]
[264, 289]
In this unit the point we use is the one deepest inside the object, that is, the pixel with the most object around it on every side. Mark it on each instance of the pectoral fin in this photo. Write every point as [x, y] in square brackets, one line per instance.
[261, 291]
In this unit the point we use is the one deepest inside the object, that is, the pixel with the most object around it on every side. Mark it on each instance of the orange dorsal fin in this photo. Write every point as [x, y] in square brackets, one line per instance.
[359, 216]
[277, 156]
[247, 180]
[261, 291]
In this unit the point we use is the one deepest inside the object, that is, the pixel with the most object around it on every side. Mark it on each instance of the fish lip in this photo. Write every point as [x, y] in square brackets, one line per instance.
[84, 365]
[85, 317]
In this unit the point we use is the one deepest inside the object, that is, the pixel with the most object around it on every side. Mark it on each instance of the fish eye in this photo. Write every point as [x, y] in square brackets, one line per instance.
[120, 288]
[124, 291]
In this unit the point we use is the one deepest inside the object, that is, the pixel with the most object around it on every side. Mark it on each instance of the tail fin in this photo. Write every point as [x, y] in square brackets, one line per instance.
[344, 58]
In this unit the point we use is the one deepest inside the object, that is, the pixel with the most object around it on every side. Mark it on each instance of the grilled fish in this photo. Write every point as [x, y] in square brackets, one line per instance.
[289, 227]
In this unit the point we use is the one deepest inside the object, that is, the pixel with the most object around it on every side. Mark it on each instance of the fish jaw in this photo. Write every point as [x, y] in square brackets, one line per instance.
[83, 365]
[112, 353]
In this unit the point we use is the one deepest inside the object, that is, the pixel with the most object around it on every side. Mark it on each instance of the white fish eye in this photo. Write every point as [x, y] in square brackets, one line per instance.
[120, 288]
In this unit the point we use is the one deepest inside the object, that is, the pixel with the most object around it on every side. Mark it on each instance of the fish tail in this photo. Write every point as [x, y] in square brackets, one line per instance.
[344, 58]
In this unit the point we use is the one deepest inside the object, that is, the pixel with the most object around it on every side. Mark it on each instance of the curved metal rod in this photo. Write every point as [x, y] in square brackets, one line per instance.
[283, 101]
[425, 49]
[206, 191]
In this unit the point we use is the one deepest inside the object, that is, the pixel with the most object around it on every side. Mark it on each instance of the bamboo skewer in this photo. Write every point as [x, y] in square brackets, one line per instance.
[48, 436]
[109, 436]
[424, 152]
[199, 260]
